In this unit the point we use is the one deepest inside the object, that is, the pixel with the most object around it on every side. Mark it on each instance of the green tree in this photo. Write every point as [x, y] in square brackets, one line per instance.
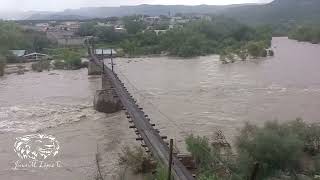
[14, 37]
[87, 29]
[306, 33]
[255, 49]
[72, 59]
[109, 35]
[275, 147]
[130, 47]
[133, 24]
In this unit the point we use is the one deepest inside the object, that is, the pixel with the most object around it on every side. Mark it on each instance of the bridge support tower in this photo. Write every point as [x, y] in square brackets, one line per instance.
[106, 100]
[94, 69]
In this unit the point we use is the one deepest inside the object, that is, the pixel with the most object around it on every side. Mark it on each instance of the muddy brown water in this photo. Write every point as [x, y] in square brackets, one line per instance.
[181, 96]
[201, 95]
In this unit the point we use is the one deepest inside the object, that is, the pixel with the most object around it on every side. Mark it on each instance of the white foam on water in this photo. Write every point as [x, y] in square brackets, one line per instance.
[31, 118]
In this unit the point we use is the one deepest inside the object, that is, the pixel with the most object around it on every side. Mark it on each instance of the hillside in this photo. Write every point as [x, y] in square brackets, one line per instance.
[152, 10]
[276, 12]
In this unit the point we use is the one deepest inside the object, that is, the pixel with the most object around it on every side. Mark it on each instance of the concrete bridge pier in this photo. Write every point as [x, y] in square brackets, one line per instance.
[106, 100]
[94, 69]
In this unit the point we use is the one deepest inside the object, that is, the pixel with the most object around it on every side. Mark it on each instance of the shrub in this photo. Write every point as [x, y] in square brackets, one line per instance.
[2, 65]
[72, 59]
[59, 64]
[280, 150]
[274, 147]
[200, 149]
[278, 147]
[256, 49]
[41, 65]
[68, 58]
[207, 177]
[136, 159]
[161, 173]
[317, 164]
[271, 53]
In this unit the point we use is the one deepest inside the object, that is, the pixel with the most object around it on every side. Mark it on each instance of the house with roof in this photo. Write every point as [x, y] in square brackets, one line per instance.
[17, 55]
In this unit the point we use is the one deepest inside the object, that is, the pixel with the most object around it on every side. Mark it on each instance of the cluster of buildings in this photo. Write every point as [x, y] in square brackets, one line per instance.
[64, 33]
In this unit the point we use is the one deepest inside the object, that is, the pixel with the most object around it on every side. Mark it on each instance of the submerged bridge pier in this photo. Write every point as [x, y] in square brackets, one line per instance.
[114, 97]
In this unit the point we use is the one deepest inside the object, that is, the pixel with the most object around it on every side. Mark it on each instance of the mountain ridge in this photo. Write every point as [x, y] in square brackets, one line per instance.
[275, 12]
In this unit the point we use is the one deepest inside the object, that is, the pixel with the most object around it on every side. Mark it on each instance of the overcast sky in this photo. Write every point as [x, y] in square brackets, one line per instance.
[58, 5]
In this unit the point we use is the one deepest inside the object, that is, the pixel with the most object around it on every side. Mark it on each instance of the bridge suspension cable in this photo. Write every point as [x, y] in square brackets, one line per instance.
[145, 99]
[168, 118]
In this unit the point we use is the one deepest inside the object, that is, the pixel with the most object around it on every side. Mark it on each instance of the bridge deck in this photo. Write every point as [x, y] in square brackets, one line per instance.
[150, 136]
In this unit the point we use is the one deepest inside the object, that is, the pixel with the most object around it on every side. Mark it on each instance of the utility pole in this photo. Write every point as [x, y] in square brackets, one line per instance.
[170, 159]
[102, 61]
[111, 60]
[255, 171]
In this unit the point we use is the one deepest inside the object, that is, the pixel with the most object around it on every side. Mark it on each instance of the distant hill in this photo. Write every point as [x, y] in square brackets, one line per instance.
[276, 12]
[152, 10]
[56, 16]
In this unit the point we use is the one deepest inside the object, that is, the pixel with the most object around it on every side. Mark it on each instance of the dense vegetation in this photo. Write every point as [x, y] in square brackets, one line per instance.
[200, 37]
[282, 151]
[306, 33]
[67, 58]
[14, 37]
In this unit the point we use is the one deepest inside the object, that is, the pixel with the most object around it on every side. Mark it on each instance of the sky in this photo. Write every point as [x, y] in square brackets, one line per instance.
[59, 5]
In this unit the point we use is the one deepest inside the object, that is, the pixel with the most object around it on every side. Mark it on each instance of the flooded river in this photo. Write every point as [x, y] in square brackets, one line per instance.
[196, 95]
[202, 95]
[34, 101]
[181, 96]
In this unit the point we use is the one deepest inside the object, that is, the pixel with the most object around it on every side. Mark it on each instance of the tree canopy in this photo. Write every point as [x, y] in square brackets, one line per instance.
[220, 35]
[306, 33]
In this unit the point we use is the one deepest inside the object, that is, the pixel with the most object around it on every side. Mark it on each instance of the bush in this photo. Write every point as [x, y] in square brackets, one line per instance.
[278, 147]
[271, 53]
[280, 150]
[41, 65]
[256, 49]
[67, 59]
[161, 173]
[136, 159]
[200, 149]
[274, 148]
[2, 65]
[207, 177]
[59, 64]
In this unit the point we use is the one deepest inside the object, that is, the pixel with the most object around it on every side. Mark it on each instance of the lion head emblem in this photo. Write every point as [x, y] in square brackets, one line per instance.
[36, 146]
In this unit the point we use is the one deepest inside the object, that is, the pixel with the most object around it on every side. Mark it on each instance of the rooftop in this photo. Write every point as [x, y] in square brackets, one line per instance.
[18, 53]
